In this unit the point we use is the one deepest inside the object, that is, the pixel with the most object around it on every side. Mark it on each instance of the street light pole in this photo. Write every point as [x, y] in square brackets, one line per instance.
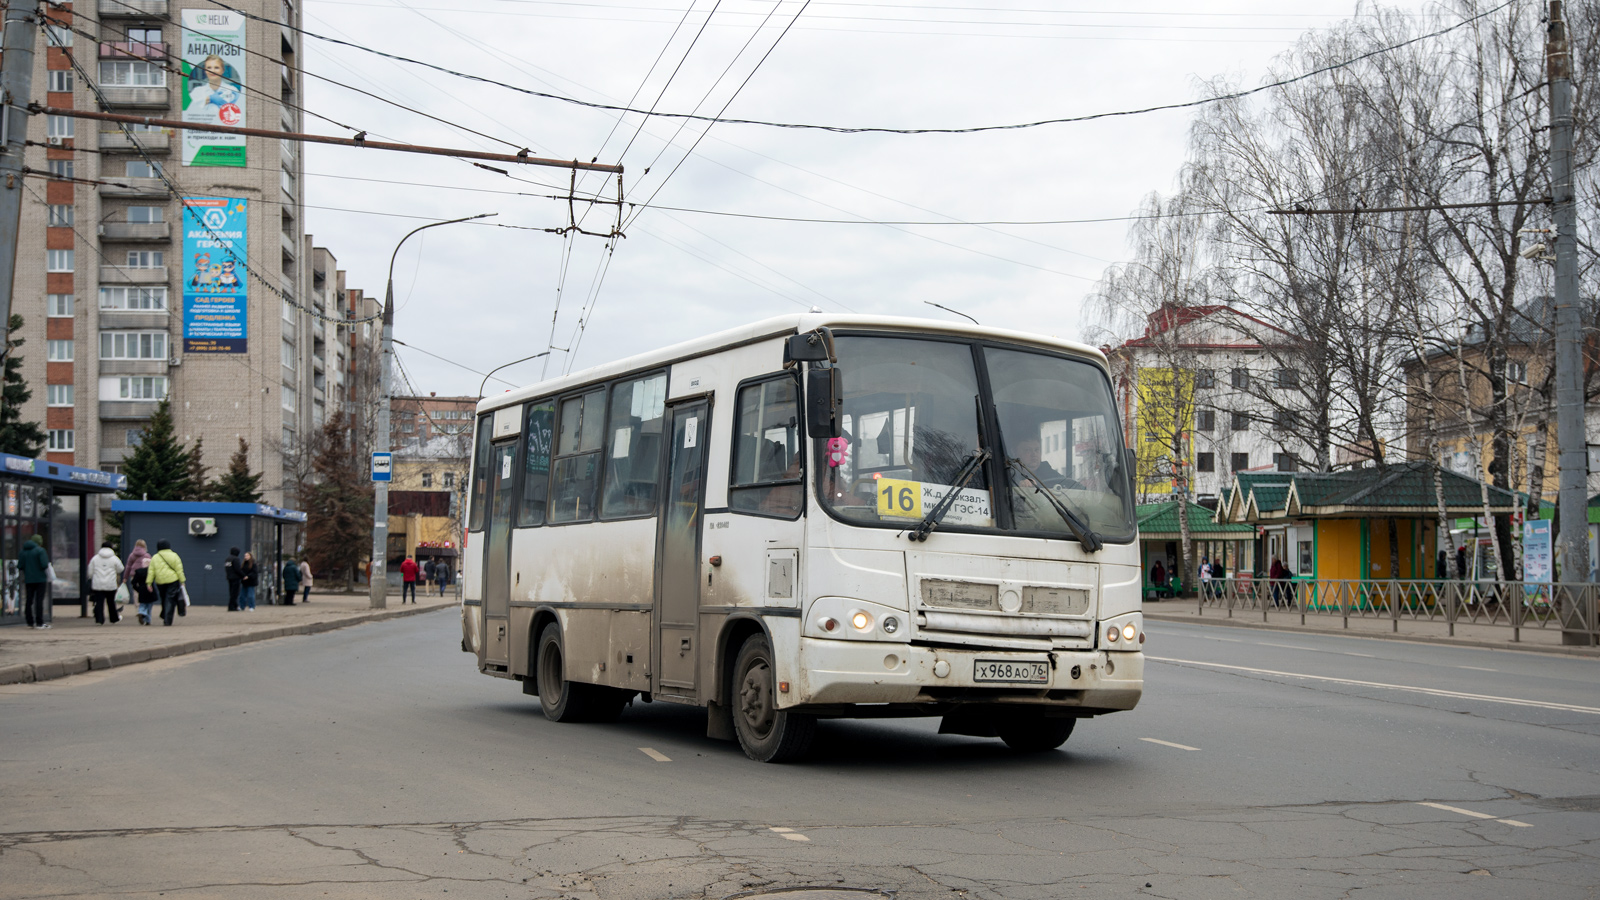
[485, 382]
[378, 581]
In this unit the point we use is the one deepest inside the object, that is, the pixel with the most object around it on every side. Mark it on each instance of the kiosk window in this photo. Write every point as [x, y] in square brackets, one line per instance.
[577, 463]
[767, 474]
[633, 461]
[539, 433]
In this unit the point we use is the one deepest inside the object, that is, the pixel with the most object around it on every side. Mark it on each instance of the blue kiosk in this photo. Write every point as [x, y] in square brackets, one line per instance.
[201, 534]
[41, 497]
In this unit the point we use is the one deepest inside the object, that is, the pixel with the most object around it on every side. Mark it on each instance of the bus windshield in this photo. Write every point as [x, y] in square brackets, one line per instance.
[911, 424]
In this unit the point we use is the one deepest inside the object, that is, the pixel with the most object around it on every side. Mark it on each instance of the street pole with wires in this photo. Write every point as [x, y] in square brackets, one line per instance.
[16, 88]
[378, 581]
[485, 383]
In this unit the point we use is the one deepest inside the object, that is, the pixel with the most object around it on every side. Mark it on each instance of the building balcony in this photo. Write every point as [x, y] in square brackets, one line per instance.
[127, 186]
[125, 275]
[136, 231]
[151, 141]
[133, 367]
[133, 318]
[136, 97]
[133, 49]
[127, 410]
[140, 9]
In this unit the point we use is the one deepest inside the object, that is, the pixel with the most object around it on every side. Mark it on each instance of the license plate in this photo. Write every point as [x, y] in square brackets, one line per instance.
[1011, 671]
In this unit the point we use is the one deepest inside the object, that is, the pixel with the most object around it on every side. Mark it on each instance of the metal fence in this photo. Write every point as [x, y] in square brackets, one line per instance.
[1568, 608]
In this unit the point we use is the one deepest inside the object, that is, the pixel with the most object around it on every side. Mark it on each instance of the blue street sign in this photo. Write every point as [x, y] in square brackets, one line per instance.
[383, 467]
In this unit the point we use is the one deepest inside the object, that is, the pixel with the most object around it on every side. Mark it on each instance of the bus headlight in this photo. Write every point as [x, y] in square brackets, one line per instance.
[1124, 633]
[861, 621]
[890, 625]
[1128, 632]
[1112, 633]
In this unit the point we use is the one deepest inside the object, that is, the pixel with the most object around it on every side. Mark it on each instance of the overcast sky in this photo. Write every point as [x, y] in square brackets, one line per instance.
[482, 296]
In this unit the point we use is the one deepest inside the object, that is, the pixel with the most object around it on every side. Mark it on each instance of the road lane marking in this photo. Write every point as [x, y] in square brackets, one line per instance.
[1477, 668]
[788, 833]
[656, 755]
[1475, 815]
[1286, 646]
[1169, 744]
[1435, 692]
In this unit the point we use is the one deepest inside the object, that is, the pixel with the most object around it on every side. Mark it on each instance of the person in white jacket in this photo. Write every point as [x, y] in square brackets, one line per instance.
[105, 575]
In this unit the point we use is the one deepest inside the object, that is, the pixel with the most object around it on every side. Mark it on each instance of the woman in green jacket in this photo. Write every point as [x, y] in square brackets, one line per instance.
[166, 574]
[291, 581]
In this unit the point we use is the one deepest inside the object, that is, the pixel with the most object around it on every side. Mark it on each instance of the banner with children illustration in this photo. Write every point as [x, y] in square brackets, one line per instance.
[215, 287]
[213, 86]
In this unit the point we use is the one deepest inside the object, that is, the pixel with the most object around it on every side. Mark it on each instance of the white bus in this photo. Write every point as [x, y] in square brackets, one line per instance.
[797, 520]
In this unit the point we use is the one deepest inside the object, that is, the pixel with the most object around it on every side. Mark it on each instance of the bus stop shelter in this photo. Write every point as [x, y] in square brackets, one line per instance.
[202, 533]
[58, 501]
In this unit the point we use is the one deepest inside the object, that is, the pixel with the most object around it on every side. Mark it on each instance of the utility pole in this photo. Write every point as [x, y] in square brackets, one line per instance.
[16, 89]
[1571, 435]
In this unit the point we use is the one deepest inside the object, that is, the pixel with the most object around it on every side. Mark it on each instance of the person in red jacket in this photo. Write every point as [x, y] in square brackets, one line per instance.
[408, 580]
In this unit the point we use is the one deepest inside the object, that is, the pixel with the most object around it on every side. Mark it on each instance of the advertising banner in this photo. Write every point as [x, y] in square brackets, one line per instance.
[1538, 563]
[213, 85]
[216, 292]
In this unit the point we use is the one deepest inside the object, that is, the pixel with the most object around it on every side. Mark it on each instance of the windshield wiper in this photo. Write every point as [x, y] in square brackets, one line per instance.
[931, 520]
[1080, 529]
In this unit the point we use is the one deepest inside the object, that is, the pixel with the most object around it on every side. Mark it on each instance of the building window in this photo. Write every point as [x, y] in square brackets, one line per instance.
[1516, 372]
[146, 36]
[1241, 379]
[134, 436]
[60, 168]
[1239, 462]
[427, 479]
[1205, 462]
[61, 81]
[58, 260]
[288, 310]
[146, 259]
[408, 427]
[449, 480]
[1285, 419]
[287, 354]
[131, 73]
[60, 439]
[58, 35]
[1205, 420]
[133, 345]
[58, 395]
[60, 215]
[58, 351]
[1205, 378]
[59, 306]
[1288, 378]
[59, 126]
[289, 398]
[1285, 462]
[133, 387]
[1239, 421]
[139, 168]
[133, 298]
[146, 215]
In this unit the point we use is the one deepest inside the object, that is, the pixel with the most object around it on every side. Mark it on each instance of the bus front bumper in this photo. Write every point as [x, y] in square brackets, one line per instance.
[832, 672]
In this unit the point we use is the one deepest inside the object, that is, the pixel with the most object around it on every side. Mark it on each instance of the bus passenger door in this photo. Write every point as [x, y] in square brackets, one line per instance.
[497, 553]
[677, 603]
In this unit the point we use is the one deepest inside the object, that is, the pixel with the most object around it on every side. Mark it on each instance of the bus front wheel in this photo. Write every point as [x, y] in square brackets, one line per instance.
[569, 701]
[767, 733]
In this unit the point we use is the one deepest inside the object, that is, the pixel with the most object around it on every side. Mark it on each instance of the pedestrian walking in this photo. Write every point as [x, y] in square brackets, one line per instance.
[105, 576]
[291, 580]
[427, 572]
[441, 574]
[305, 579]
[1205, 577]
[166, 573]
[249, 576]
[408, 580]
[1276, 575]
[230, 570]
[1461, 562]
[35, 564]
[137, 574]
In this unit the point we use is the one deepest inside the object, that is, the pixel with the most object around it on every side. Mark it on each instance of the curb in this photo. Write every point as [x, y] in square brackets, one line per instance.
[26, 673]
[1579, 652]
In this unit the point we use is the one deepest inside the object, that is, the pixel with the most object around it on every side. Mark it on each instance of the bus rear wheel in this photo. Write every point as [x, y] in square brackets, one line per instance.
[569, 701]
[767, 733]
[1034, 734]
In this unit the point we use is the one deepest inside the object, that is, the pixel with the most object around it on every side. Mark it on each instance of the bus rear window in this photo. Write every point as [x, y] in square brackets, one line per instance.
[480, 473]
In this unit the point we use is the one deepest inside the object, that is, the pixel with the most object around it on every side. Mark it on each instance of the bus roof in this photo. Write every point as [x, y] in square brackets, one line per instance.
[776, 326]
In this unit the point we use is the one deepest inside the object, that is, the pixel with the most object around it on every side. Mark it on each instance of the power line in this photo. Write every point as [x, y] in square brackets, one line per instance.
[450, 361]
[841, 129]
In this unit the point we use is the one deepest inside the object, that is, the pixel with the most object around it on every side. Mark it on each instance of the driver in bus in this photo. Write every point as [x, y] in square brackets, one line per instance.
[1028, 454]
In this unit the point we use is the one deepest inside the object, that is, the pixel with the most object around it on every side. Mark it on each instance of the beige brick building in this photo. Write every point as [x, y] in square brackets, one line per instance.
[130, 289]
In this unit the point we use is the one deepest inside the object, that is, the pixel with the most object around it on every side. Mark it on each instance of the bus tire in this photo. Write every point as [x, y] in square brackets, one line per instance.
[561, 700]
[766, 733]
[1034, 734]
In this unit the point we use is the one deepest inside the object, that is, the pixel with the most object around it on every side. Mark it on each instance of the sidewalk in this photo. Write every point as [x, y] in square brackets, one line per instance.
[74, 645]
[1495, 637]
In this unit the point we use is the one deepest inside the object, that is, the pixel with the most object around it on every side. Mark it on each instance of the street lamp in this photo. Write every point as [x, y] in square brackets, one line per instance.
[378, 580]
[485, 381]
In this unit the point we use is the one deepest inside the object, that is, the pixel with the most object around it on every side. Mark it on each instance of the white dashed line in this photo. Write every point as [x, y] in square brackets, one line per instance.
[1434, 692]
[788, 834]
[1477, 668]
[656, 755]
[1475, 815]
[1170, 744]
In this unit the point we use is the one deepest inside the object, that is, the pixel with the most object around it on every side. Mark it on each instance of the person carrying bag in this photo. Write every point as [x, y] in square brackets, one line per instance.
[105, 577]
[166, 573]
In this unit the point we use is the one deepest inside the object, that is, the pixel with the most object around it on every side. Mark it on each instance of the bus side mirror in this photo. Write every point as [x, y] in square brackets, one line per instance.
[1131, 460]
[824, 403]
[809, 347]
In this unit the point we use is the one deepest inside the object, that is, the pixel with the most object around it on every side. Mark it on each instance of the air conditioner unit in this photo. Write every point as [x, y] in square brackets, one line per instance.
[202, 527]
[54, 141]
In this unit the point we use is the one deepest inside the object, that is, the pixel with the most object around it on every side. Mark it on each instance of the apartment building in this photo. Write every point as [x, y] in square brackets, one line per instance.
[418, 420]
[171, 263]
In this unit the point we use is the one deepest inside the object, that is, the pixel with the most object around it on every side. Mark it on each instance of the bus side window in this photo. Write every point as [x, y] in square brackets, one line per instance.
[633, 464]
[577, 464]
[539, 433]
[767, 469]
[480, 474]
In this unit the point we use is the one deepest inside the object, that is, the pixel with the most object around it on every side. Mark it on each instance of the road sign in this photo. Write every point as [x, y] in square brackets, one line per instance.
[382, 466]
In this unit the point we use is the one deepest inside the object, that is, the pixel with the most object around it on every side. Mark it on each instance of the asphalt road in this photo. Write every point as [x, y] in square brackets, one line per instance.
[375, 762]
